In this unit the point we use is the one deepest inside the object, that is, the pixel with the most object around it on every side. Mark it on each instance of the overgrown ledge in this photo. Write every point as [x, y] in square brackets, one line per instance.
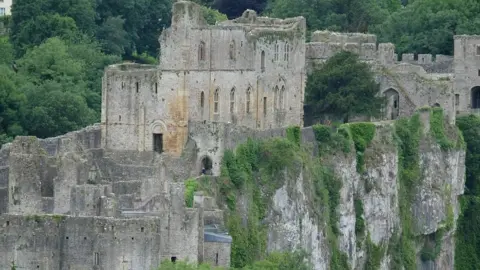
[378, 195]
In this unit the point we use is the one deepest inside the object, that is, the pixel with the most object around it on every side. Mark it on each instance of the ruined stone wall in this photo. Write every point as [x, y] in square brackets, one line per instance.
[325, 44]
[217, 253]
[466, 68]
[438, 64]
[66, 242]
[140, 102]
[416, 88]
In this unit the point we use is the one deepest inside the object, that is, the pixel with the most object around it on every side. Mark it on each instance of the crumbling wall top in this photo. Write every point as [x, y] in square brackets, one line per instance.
[335, 37]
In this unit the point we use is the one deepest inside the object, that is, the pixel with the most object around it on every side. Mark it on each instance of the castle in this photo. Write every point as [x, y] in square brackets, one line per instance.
[111, 196]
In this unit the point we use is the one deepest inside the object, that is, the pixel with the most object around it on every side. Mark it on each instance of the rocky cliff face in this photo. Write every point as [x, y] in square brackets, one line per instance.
[397, 204]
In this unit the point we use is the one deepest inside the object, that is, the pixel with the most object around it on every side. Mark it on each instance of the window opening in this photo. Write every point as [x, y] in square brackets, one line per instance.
[248, 100]
[457, 99]
[216, 259]
[215, 101]
[277, 47]
[262, 61]
[264, 106]
[202, 100]
[136, 86]
[275, 98]
[232, 101]
[173, 259]
[201, 51]
[158, 143]
[478, 49]
[281, 101]
[476, 97]
[97, 259]
[286, 52]
[156, 88]
[207, 166]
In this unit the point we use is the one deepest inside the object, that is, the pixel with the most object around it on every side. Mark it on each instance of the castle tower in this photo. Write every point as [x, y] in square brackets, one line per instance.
[467, 73]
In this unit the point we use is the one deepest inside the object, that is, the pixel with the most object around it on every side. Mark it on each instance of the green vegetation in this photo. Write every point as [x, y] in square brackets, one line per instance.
[191, 186]
[432, 246]
[293, 134]
[343, 87]
[408, 134]
[362, 134]
[467, 246]
[274, 261]
[359, 220]
[374, 255]
[330, 142]
[438, 129]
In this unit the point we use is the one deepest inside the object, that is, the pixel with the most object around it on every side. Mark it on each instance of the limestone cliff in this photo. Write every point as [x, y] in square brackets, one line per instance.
[367, 196]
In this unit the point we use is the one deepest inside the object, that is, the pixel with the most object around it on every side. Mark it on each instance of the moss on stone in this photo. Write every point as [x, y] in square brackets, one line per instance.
[362, 135]
[359, 221]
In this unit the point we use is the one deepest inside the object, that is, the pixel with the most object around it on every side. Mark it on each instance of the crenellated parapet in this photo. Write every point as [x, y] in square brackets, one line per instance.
[325, 44]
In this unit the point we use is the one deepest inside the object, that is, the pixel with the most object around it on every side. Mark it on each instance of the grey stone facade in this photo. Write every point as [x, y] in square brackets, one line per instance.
[111, 196]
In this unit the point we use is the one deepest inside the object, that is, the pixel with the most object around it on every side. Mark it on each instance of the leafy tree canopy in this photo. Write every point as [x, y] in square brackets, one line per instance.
[344, 87]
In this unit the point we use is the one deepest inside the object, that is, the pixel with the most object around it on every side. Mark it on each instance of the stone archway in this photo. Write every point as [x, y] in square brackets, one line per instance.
[475, 95]
[436, 105]
[392, 107]
[206, 165]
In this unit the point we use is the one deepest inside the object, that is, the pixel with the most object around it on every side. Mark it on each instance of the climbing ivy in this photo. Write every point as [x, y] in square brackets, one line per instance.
[330, 142]
[362, 134]
[293, 134]
[374, 255]
[359, 221]
[191, 186]
[438, 129]
[408, 134]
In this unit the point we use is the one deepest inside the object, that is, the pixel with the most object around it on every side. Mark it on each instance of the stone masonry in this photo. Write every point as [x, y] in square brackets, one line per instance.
[111, 196]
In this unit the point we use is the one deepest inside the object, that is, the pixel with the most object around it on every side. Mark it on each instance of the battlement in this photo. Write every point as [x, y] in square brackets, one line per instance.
[424, 59]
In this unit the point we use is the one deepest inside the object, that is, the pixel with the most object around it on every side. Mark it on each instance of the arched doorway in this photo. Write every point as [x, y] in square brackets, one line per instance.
[436, 105]
[476, 97]
[392, 107]
[206, 165]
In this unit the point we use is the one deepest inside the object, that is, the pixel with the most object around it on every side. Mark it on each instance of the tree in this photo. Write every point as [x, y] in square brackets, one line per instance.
[428, 26]
[344, 87]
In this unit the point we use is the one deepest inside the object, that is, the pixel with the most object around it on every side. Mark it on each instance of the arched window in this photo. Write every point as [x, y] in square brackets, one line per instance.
[282, 98]
[202, 100]
[262, 61]
[215, 101]
[286, 52]
[277, 48]
[476, 97]
[232, 100]
[232, 50]
[201, 51]
[275, 98]
[248, 99]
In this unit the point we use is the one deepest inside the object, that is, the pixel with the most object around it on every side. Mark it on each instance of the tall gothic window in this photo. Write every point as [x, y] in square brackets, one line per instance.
[215, 101]
[262, 61]
[232, 100]
[282, 98]
[286, 52]
[277, 47]
[248, 99]
[275, 98]
[201, 51]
